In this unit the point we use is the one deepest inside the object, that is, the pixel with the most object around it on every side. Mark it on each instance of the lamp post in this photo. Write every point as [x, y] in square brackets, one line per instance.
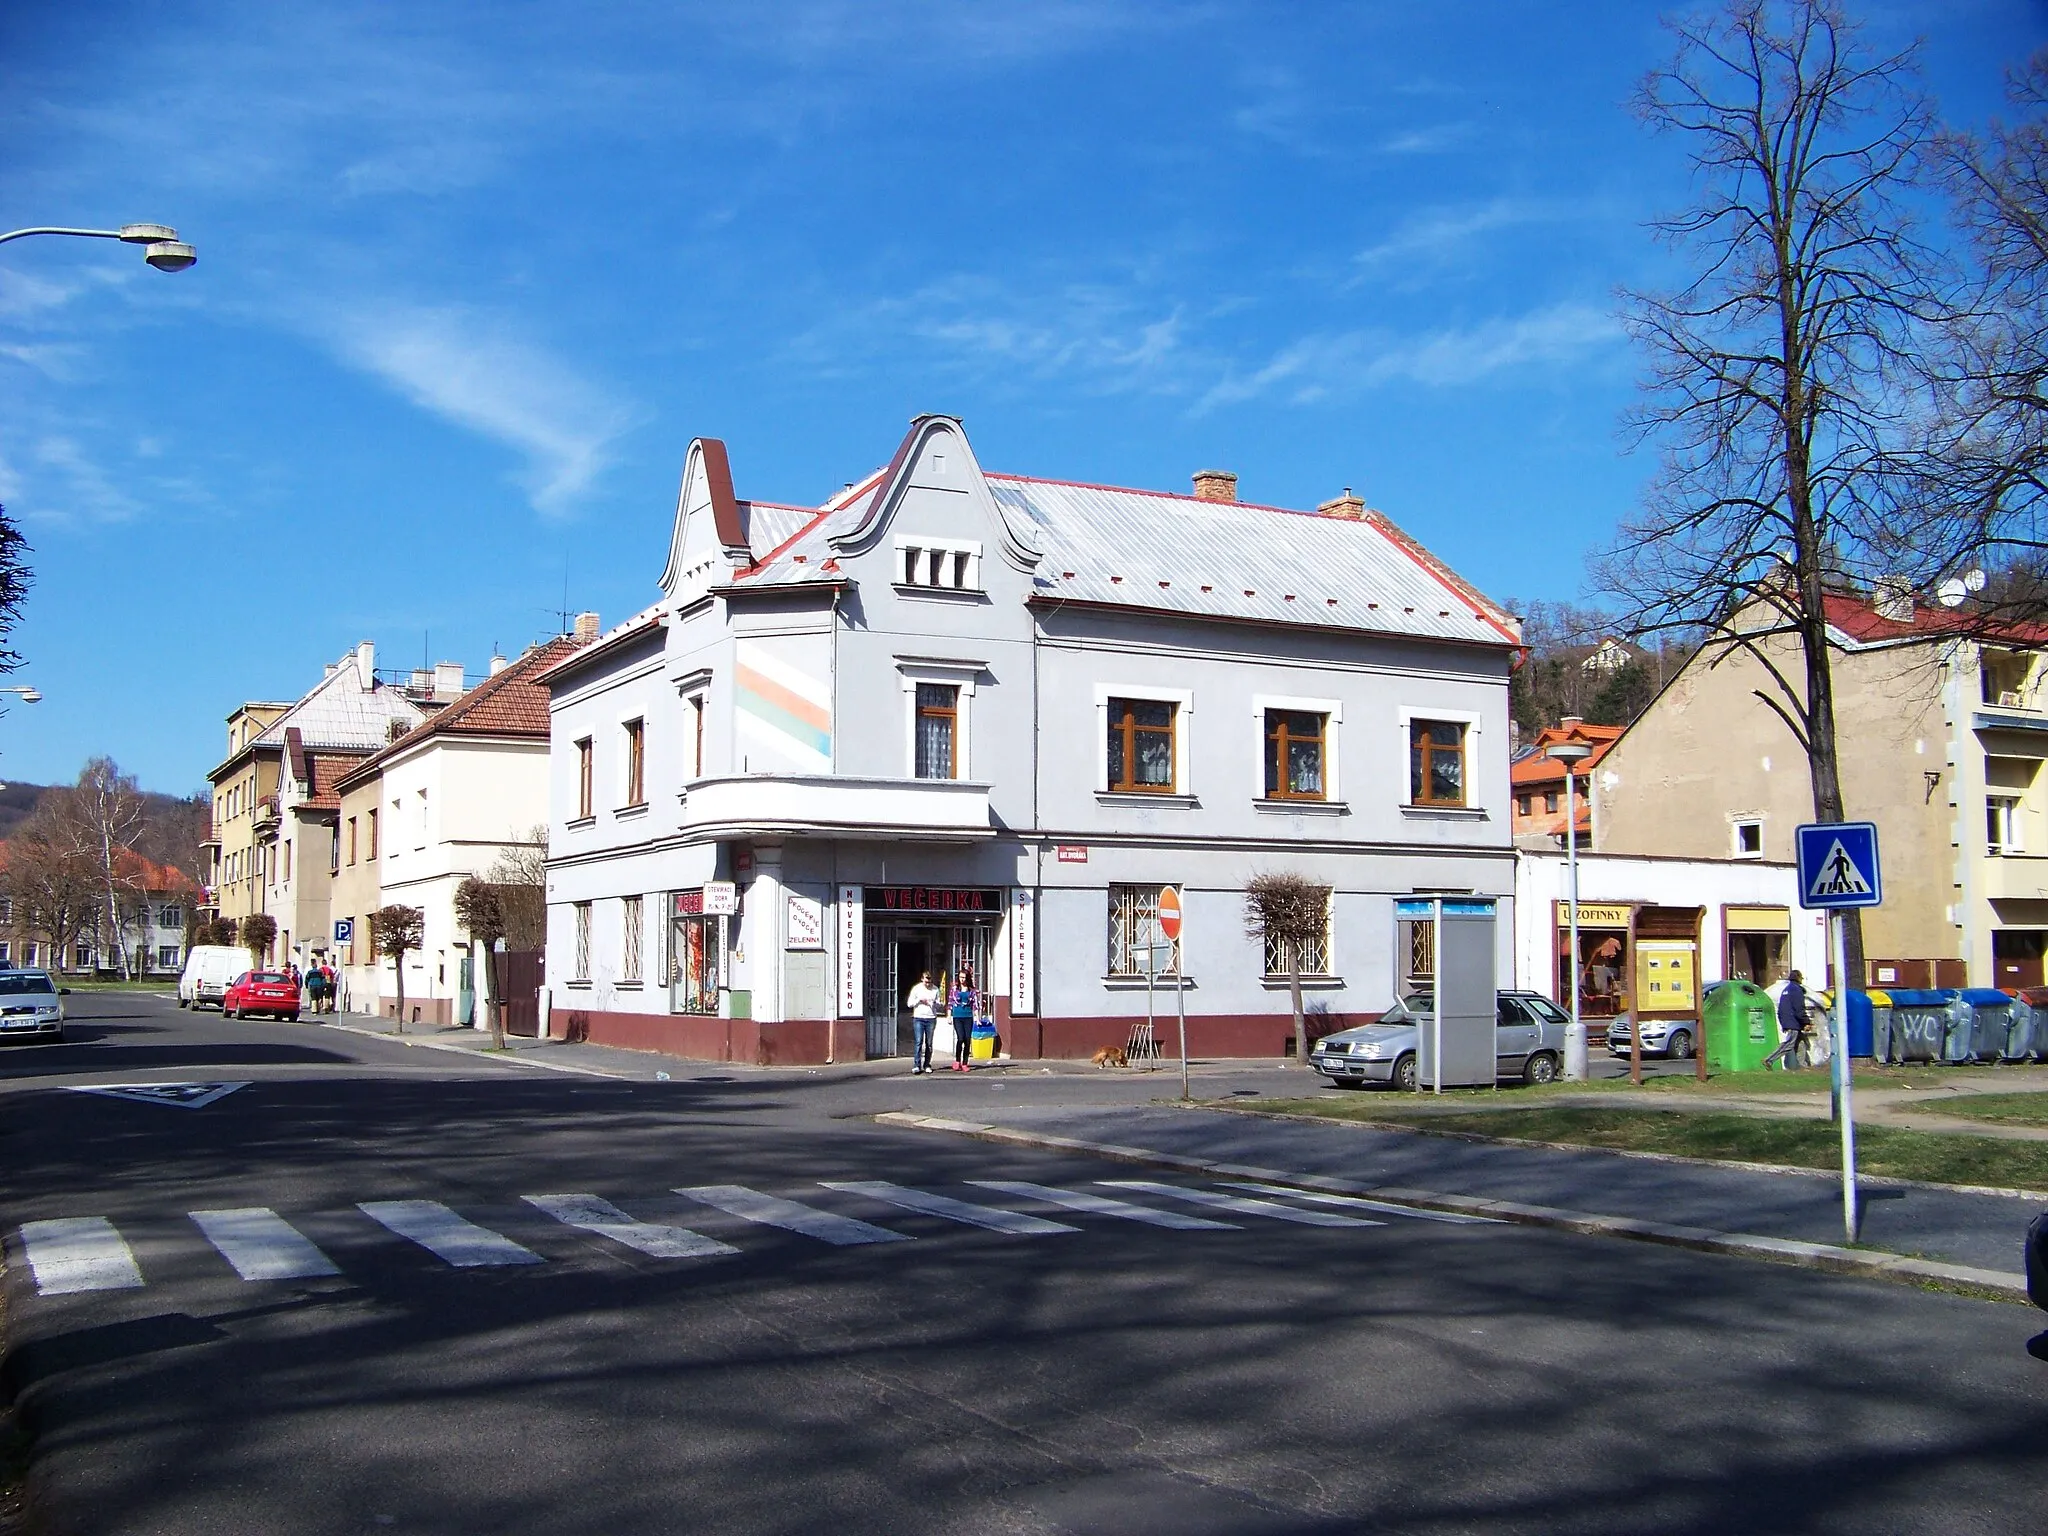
[1571, 754]
[26, 694]
[161, 247]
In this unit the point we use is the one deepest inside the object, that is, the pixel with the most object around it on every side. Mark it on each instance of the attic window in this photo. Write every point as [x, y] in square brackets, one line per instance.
[948, 565]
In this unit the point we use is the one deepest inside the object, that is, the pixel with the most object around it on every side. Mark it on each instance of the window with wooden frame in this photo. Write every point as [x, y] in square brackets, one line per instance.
[697, 736]
[636, 762]
[1141, 746]
[938, 731]
[373, 833]
[583, 778]
[582, 956]
[1436, 762]
[1294, 755]
[351, 842]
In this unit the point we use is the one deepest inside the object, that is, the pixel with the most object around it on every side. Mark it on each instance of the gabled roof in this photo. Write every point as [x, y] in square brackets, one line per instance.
[513, 703]
[645, 622]
[1166, 552]
[1534, 769]
[139, 874]
[340, 711]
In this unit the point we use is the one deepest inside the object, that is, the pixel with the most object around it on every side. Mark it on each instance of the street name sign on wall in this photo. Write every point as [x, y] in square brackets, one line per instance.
[1838, 865]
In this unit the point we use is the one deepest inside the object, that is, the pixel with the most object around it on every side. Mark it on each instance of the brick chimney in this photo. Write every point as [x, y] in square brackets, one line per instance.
[1349, 505]
[1215, 485]
[586, 626]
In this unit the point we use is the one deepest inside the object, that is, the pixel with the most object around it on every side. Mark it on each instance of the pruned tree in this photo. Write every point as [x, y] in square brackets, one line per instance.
[218, 931]
[1782, 372]
[397, 931]
[482, 916]
[1290, 915]
[259, 932]
[520, 874]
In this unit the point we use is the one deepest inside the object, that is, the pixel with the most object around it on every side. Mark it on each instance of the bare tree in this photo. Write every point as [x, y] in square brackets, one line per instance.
[106, 805]
[1290, 915]
[482, 917]
[50, 879]
[1985, 477]
[396, 931]
[520, 875]
[1782, 372]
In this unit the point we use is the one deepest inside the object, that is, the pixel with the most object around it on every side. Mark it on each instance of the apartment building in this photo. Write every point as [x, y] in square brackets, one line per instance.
[439, 804]
[959, 720]
[1942, 735]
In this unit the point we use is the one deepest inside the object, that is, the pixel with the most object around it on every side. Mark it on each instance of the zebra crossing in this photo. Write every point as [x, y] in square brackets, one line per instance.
[89, 1253]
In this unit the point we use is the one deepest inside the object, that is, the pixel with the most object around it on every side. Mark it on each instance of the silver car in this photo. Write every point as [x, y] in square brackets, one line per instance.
[1528, 1043]
[31, 1004]
[1670, 1038]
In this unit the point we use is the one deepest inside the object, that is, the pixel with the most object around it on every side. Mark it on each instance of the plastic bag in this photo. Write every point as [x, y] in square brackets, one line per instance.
[944, 1041]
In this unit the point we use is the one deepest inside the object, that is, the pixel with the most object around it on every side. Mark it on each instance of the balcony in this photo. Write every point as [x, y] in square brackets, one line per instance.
[830, 805]
[2016, 877]
[266, 813]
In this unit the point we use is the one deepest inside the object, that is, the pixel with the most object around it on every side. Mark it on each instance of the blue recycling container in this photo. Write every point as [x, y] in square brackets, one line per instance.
[1922, 1018]
[1990, 1021]
[1862, 1025]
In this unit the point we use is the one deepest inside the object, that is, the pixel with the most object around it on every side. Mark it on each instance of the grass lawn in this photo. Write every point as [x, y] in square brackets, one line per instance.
[1880, 1149]
[1810, 1080]
[155, 984]
[2009, 1108]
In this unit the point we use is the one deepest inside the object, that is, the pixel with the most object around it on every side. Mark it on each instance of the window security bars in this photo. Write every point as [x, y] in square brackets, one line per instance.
[1132, 913]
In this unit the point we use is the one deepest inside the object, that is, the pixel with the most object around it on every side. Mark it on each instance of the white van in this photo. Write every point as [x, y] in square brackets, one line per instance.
[209, 971]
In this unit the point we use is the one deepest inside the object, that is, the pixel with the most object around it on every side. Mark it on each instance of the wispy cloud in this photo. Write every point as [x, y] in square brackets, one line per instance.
[477, 371]
[1432, 140]
[1319, 367]
[74, 487]
[1436, 235]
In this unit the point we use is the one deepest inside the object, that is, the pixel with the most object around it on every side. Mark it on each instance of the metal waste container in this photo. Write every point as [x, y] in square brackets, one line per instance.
[2030, 1025]
[1859, 1023]
[1880, 1024]
[1984, 1025]
[1741, 1026]
[1922, 1018]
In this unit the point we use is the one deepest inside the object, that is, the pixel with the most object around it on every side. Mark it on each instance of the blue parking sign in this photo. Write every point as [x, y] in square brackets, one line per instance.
[1838, 865]
[344, 930]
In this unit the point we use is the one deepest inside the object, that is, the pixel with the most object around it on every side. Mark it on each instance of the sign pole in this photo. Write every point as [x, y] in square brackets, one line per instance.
[1180, 1012]
[1151, 973]
[1852, 1216]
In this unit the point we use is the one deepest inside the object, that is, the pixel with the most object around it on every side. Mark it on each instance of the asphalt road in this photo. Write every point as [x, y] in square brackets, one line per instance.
[1259, 1375]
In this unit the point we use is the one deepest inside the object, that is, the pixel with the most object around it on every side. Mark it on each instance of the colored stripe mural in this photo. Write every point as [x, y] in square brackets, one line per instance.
[782, 709]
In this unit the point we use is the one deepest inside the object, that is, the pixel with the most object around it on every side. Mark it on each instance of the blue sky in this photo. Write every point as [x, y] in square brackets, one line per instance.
[471, 277]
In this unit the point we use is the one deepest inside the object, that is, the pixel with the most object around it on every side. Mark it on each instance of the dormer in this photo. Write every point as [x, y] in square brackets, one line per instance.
[709, 542]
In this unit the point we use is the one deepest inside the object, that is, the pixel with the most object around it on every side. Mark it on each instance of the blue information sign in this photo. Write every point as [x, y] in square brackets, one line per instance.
[344, 930]
[1838, 865]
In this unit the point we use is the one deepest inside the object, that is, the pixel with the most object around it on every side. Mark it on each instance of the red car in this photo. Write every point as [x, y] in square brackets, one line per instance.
[271, 992]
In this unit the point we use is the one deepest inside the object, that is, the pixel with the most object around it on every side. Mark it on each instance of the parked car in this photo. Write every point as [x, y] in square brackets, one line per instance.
[271, 992]
[1528, 1043]
[31, 1004]
[1674, 1039]
[210, 969]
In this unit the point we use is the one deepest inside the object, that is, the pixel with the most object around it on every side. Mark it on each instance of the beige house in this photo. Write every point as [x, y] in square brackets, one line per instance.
[1941, 737]
[436, 806]
[274, 802]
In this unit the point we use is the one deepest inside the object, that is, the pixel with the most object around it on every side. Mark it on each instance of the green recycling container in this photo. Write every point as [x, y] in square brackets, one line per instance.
[1742, 1026]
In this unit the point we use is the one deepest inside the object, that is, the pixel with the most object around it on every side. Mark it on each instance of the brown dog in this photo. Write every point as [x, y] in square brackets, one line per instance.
[1111, 1056]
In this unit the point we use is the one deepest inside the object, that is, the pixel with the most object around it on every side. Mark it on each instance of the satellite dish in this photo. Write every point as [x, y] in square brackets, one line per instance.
[1951, 593]
[1974, 581]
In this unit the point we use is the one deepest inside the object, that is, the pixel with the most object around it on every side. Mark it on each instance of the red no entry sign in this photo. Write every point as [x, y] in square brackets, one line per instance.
[1169, 912]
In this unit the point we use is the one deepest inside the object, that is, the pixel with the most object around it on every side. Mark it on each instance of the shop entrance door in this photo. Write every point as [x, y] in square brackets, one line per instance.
[897, 954]
[884, 992]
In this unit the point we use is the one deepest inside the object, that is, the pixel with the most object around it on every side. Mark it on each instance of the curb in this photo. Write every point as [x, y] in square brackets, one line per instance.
[508, 1059]
[1996, 1284]
[1832, 1175]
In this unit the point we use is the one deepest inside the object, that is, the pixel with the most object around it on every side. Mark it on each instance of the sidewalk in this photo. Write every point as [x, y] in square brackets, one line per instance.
[1978, 1232]
[520, 1051]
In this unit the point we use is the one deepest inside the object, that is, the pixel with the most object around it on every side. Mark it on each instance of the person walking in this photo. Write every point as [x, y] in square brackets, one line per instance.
[923, 1003]
[1791, 1022]
[963, 1001]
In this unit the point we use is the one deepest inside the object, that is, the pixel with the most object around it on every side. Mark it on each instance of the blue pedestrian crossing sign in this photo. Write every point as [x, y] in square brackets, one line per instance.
[1838, 865]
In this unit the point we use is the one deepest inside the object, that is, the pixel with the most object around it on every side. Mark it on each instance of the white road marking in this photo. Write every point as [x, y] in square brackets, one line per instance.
[1319, 1198]
[751, 1205]
[1240, 1205]
[174, 1095]
[446, 1235]
[953, 1210]
[261, 1244]
[78, 1253]
[607, 1220]
[1102, 1205]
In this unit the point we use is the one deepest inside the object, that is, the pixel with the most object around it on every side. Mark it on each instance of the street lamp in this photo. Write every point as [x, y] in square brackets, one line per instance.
[1572, 753]
[161, 247]
[26, 694]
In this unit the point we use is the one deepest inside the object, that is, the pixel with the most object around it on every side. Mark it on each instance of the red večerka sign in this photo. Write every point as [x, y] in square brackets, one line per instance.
[931, 898]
